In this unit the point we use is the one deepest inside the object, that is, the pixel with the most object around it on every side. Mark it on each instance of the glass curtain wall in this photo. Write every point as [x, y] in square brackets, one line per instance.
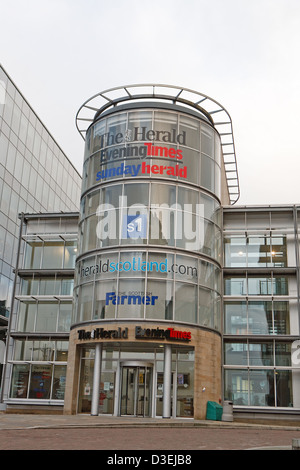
[163, 170]
[39, 336]
[35, 175]
[261, 309]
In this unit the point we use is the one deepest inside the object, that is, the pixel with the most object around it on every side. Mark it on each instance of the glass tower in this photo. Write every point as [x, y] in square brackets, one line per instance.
[148, 271]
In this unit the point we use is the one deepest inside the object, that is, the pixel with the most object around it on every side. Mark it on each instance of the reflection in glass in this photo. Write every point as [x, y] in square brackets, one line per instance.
[261, 388]
[260, 317]
[261, 354]
[85, 302]
[255, 251]
[236, 386]
[207, 140]
[27, 315]
[59, 382]
[136, 194]
[47, 316]
[236, 353]
[191, 128]
[284, 388]
[186, 302]
[259, 286]
[23, 350]
[235, 317]
[235, 286]
[208, 172]
[131, 298]
[281, 318]
[105, 300]
[20, 378]
[65, 315]
[52, 254]
[161, 304]
[283, 353]
[33, 254]
[235, 251]
[40, 381]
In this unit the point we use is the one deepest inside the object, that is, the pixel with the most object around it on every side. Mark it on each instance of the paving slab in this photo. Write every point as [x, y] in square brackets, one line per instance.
[85, 432]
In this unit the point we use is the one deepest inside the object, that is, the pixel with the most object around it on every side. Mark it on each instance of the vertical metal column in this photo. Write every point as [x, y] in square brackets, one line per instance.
[96, 380]
[167, 381]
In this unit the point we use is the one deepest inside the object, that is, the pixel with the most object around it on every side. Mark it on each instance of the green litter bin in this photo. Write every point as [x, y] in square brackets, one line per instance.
[214, 411]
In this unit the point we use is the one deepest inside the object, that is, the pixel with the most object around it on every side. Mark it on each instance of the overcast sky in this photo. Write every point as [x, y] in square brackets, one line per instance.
[244, 54]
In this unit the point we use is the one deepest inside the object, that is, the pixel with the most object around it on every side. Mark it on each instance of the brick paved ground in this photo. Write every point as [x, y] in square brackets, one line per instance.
[144, 438]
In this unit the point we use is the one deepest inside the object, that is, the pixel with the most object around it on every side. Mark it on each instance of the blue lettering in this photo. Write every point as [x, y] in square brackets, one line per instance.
[132, 170]
[111, 297]
[112, 266]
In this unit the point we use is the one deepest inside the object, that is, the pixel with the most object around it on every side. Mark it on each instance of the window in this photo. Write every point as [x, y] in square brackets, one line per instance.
[235, 317]
[44, 316]
[50, 254]
[259, 388]
[257, 317]
[256, 251]
[33, 255]
[38, 381]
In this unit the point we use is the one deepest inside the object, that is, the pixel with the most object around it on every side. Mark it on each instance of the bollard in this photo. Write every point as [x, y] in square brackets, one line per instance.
[227, 411]
[296, 444]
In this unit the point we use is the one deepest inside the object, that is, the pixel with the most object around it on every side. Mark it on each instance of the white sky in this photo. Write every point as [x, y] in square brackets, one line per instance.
[244, 54]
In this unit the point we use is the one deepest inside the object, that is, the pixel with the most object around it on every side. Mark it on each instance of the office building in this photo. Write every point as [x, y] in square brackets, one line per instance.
[147, 333]
[180, 296]
[35, 176]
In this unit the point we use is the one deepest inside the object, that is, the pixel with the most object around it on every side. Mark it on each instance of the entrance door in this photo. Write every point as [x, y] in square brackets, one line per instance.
[136, 390]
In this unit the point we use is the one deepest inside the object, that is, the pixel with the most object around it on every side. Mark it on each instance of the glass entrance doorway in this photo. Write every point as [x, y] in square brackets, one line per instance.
[136, 389]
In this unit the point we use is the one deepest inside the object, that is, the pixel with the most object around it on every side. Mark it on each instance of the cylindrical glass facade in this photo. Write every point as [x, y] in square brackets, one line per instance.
[150, 225]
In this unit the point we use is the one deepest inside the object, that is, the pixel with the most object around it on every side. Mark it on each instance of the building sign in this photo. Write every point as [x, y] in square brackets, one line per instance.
[159, 333]
[142, 169]
[170, 334]
[101, 333]
[137, 264]
[117, 148]
[131, 299]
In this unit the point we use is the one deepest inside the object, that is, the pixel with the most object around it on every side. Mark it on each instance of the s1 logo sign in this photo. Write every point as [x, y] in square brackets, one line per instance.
[134, 226]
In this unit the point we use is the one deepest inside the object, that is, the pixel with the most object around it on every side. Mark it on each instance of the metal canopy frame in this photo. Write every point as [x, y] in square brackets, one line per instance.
[211, 109]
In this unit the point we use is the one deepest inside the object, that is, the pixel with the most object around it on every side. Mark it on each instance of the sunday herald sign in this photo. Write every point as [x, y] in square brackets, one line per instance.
[119, 147]
[170, 334]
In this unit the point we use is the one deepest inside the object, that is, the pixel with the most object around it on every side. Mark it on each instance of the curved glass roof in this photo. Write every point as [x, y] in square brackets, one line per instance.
[193, 100]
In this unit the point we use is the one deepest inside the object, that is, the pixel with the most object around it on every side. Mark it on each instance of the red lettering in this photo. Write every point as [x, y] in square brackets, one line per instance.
[184, 335]
[156, 151]
[148, 145]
